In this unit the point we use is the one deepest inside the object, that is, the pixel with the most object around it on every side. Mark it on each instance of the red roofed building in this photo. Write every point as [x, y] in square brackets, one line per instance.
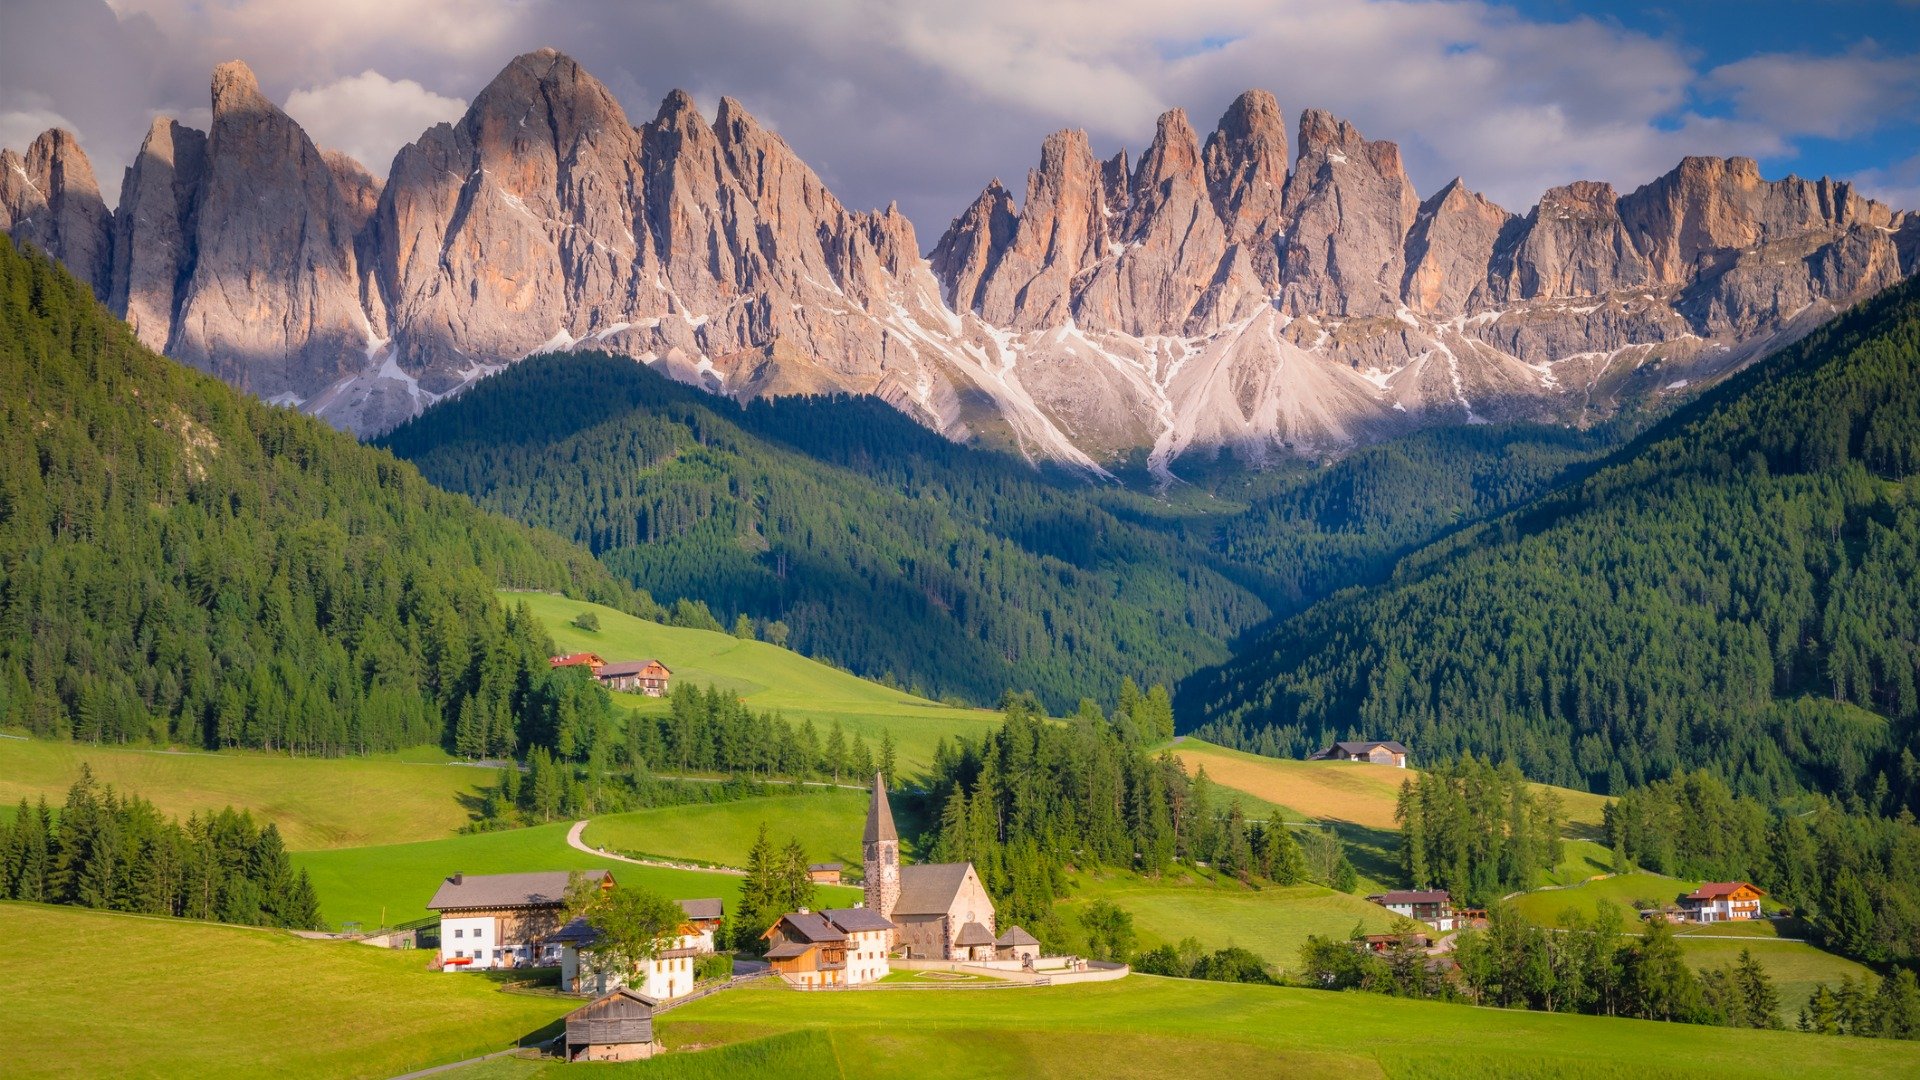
[590, 661]
[1720, 901]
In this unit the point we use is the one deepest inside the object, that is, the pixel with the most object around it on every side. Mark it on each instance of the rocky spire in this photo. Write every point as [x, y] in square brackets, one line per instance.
[1452, 243]
[1573, 245]
[1246, 164]
[50, 199]
[154, 229]
[969, 251]
[1062, 228]
[1351, 207]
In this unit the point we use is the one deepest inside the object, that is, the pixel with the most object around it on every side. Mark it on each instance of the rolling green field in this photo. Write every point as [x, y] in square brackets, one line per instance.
[316, 802]
[95, 994]
[1626, 890]
[766, 676]
[390, 885]
[827, 823]
[1272, 922]
[1150, 1027]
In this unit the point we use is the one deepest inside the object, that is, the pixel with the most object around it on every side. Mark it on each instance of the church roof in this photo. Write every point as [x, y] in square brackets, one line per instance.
[929, 888]
[879, 814]
[973, 934]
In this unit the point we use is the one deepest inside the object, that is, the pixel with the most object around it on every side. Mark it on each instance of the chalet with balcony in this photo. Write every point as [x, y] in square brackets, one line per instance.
[1722, 901]
[648, 677]
[1431, 906]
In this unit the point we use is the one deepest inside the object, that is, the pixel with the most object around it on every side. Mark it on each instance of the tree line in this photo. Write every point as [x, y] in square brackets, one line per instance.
[118, 853]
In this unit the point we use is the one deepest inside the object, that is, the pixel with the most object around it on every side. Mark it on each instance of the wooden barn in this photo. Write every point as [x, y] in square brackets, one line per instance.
[618, 1027]
[649, 677]
[825, 873]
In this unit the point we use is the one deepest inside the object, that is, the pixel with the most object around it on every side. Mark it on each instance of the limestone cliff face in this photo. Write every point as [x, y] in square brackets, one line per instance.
[1216, 292]
[49, 199]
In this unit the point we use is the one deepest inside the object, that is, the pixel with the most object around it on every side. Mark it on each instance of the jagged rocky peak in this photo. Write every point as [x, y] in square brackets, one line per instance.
[154, 228]
[1709, 204]
[272, 302]
[1350, 207]
[49, 198]
[1062, 227]
[1246, 165]
[1452, 243]
[969, 250]
[1574, 245]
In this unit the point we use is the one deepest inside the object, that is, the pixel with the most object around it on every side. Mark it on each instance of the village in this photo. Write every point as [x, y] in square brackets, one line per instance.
[933, 919]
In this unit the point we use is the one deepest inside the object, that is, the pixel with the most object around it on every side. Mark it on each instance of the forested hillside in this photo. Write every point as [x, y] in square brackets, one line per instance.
[179, 562]
[1739, 590]
[881, 546]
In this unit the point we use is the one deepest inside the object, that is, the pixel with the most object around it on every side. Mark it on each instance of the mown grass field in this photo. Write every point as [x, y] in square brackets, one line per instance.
[392, 884]
[91, 994]
[1343, 790]
[1272, 922]
[1625, 890]
[1149, 1027]
[766, 676]
[316, 802]
[827, 822]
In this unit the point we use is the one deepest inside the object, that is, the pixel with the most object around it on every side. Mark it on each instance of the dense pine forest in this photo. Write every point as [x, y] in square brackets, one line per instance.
[961, 573]
[181, 563]
[1735, 591]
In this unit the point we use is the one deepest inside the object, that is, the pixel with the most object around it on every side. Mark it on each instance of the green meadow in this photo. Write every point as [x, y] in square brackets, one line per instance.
[391, 884]
[316, 802]
[827, 822]
[765, 676]
[1273, 922]
[1151, 1027]
[99, 994]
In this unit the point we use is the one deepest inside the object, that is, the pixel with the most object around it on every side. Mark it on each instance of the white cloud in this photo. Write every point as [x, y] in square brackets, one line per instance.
[1831, 96]
[369, 116]
[1897, 185]
[19, 127]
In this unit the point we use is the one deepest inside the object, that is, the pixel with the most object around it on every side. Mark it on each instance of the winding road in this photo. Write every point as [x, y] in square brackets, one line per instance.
[574, 841]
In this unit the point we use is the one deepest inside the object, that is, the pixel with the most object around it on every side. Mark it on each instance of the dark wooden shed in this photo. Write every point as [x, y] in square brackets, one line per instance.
[618, 1027]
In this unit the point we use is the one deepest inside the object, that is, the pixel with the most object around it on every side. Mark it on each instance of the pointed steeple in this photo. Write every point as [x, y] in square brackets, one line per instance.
[879, 814]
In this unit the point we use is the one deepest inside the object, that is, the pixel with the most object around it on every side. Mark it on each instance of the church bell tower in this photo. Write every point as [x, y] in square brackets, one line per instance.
[880, 853]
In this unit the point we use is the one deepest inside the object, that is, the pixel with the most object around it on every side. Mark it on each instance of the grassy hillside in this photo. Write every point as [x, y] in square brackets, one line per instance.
[316, 802]
[827, 822]
[766, 676]
[94, 994]
[360, 884]
[186, 565]
[1738, 590]
[1273, 922]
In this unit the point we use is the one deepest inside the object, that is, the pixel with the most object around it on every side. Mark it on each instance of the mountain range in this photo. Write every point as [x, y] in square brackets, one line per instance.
[1245, 291]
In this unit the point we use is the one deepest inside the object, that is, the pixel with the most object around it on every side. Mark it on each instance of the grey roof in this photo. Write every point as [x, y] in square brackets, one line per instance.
[625, 1001]
[708, 908]
[879, 814]
[929, 888]
[1410, 896]
[1365, 745]
[787, 950]
[546, 888]
[857, 919]
[974, 934]
[826, 866]
[1016, 936]
[577, 933]
[812, 926]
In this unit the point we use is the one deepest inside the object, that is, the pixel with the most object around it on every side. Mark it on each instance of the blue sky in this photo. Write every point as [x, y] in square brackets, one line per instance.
[922, 101]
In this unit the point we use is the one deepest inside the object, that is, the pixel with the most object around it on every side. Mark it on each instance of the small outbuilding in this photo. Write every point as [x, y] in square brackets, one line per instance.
[1016, 944]
[1374, 751]
[618, 1027]
[825, 873]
